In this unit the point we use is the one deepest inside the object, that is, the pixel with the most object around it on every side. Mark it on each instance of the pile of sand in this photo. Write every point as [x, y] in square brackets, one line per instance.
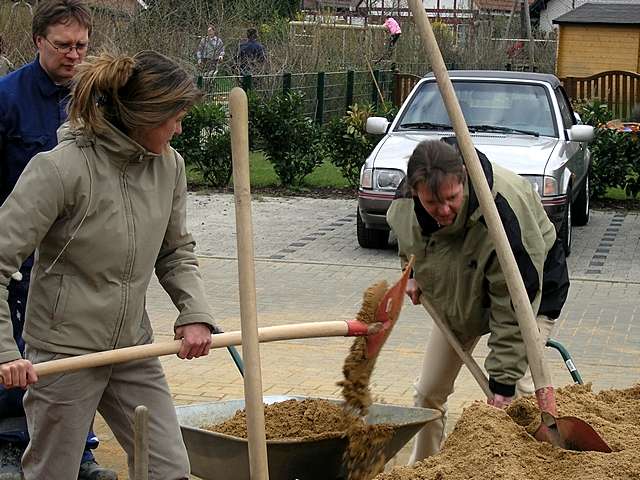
[488, 443]
[309, 419]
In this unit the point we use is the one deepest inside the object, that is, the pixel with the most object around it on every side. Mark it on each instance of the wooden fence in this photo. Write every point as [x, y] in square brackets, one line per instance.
[619, 89]
[403, 83]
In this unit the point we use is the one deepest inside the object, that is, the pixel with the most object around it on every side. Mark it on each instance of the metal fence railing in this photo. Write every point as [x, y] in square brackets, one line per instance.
[326, 94]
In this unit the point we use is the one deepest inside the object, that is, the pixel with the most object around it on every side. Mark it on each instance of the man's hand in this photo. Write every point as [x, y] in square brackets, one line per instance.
[196, 340]
[499, 401]
[18, 373]
[413, 291]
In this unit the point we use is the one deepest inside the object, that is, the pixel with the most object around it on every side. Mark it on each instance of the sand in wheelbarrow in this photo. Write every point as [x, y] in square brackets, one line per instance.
[488, 443]
[309, 419]
[313, 419]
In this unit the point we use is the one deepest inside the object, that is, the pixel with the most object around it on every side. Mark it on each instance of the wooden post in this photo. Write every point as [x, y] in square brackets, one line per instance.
[141, 443]
[513, 9]
[254, 405]
[532, 46]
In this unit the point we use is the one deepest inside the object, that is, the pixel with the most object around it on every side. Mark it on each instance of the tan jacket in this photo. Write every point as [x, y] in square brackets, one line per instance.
[103, 213]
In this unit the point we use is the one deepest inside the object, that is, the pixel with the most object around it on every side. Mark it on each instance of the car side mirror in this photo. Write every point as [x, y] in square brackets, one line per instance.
[377, 125]
[581, 133]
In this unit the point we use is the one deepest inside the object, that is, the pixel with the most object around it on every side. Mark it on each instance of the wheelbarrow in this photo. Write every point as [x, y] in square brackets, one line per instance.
[215, 455]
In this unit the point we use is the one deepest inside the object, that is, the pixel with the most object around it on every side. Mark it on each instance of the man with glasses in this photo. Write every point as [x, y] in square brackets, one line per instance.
[32, 107]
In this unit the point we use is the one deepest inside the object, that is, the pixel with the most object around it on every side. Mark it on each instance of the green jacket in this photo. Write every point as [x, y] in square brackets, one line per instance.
[458, 271]
[103, 213]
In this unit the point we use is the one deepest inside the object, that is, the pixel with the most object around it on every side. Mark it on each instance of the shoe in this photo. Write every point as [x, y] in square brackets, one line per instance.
[10, 467]
[90, 470]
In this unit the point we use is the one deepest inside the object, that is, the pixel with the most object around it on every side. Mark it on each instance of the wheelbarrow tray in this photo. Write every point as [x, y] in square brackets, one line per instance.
[215, 456]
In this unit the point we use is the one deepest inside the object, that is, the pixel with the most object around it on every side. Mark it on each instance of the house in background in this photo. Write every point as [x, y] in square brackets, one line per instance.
[545, 11]
[598, 37]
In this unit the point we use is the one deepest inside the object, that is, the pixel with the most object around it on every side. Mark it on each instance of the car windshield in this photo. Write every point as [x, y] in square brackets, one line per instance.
[514, 108]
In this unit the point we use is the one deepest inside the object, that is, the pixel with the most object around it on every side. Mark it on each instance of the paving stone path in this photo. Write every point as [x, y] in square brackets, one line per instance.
[310, 268]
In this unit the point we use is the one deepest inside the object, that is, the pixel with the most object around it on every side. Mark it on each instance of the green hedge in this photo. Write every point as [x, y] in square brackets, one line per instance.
[290, 141]
[616, 154]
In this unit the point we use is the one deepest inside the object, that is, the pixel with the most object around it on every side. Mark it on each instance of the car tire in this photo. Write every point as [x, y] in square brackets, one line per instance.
[370, 237]
[566, 234]
[580, 207]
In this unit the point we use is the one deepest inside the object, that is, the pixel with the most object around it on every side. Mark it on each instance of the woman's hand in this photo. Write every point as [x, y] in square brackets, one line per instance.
[413, 291]
[196, 340]
[18, 373]
[499, 401]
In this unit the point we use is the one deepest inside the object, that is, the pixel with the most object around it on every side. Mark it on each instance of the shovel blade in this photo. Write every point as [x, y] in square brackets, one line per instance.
[388, 311]
[570, 433]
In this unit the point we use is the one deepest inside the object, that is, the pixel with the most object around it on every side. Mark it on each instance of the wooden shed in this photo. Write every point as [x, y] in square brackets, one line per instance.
[597, 37]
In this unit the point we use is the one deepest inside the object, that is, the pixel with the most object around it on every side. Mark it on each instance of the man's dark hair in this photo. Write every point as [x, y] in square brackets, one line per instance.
[53, 12]
[252, 34]
[431, 162]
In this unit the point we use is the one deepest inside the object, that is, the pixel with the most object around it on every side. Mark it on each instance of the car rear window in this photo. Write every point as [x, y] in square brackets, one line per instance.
[502, 104]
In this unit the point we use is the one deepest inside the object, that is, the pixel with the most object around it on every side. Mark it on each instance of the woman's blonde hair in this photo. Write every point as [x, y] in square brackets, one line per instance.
[130, 92]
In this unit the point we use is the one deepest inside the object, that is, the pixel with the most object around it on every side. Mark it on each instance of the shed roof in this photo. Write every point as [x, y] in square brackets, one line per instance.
[602, 13]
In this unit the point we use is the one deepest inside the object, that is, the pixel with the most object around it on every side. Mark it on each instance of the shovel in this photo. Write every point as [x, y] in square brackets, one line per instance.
[568, 432]
[386, 314]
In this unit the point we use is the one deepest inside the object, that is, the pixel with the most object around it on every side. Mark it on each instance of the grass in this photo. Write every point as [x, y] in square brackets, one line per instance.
[616, 194]
[264, 176]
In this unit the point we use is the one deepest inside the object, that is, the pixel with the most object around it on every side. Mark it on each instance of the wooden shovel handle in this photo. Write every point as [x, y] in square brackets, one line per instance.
[465, 356]
[338, 328]
[519, 297]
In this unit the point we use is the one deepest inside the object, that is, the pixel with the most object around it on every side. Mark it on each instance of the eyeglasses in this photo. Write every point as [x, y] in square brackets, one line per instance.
[65, 49]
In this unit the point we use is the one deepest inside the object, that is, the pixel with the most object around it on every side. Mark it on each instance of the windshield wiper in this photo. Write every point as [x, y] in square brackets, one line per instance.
[497, 128]
[426, 126]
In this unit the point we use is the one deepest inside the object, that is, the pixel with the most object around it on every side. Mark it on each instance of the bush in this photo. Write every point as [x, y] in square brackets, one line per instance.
[205, 143]
[616, 154]
[593, 112]
[289, 140]
[348, 143]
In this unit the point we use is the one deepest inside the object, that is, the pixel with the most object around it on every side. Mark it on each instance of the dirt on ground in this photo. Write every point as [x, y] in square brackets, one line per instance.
[488, 443]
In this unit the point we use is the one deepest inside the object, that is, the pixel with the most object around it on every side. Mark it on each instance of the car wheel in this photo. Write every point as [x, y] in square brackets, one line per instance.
[580, 208]
[369, 237]
[565, 233]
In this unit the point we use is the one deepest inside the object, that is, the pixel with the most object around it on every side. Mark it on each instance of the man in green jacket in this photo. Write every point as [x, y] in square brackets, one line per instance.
[436, 217]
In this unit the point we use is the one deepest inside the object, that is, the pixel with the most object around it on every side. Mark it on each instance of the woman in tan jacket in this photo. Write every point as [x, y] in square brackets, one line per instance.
[103, 210]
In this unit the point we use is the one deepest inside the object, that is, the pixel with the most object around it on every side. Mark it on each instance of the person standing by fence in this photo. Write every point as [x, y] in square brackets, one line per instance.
[210, 51]
[252, 56]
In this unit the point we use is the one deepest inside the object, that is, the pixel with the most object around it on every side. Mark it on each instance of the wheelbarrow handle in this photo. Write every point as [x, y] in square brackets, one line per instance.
[338, 328]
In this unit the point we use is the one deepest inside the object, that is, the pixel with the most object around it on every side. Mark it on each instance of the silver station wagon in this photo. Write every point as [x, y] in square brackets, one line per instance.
[519, 120]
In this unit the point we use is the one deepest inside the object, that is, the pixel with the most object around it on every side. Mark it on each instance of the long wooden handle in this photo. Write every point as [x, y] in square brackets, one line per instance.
[519, 298]
[338, 328]
[465, 356]
[256, 437]
[141, 443]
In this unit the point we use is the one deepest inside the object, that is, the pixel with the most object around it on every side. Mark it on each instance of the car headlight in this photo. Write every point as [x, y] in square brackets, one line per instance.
[387, 179]
[543, 184]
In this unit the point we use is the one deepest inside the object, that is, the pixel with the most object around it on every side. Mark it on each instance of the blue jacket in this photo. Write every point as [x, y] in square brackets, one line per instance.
[32, 108]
